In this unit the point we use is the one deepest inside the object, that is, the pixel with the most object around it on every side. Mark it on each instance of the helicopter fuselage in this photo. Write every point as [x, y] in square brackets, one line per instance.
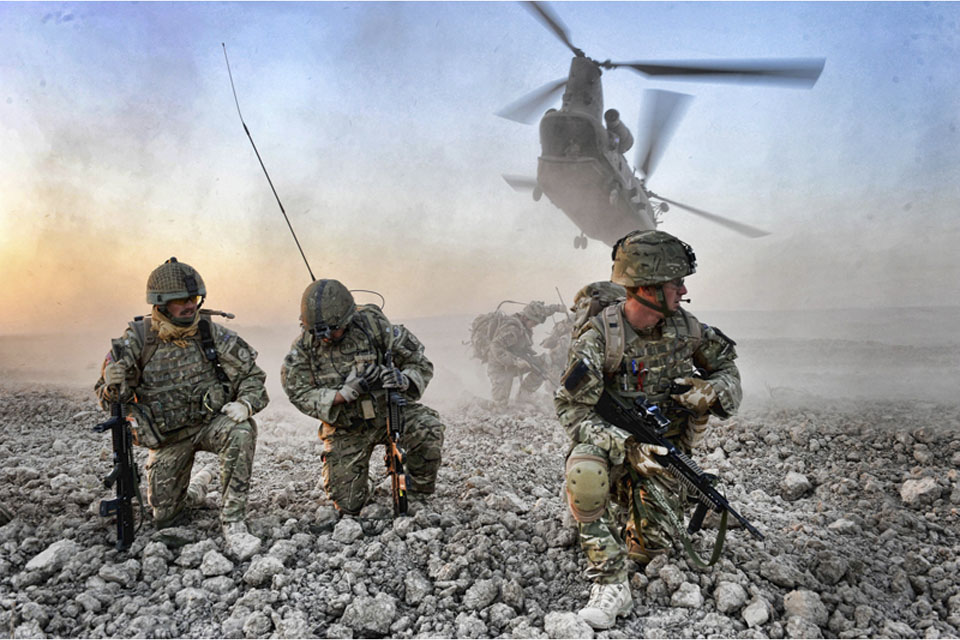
[582, 169]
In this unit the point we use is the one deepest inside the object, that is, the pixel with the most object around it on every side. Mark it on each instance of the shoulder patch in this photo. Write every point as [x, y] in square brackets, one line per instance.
[721, 334]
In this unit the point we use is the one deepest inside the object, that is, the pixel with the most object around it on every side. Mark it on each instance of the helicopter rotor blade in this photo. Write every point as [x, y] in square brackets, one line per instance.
[799, 72]
[520, 183]
[663, 110]
[543, 13]
[739, 227]
[528, 108]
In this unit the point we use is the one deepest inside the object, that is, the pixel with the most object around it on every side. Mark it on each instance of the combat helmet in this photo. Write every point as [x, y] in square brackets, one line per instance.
[174, 280]
[648, 258]
[536, 312]
[326, 306]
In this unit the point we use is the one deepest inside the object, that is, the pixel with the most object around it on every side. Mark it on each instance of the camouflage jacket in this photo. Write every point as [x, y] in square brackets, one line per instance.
[676, 347]
[512, 337]
[313, 370]
[177, 392]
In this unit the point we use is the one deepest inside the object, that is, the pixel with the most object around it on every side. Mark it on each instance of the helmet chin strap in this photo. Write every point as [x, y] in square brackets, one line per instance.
[661, 308]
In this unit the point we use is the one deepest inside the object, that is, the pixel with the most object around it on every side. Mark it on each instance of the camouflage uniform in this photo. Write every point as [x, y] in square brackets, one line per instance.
[175, 400]
[674, 348]
[512, 339]
[315, 369]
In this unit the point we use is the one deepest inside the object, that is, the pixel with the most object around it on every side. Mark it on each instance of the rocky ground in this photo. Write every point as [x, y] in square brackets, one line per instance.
[859, 504]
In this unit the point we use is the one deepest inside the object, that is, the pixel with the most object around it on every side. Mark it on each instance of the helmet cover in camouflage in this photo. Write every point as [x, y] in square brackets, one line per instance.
[174, 280]
[326, 306]
[536, 312]
[646, 258]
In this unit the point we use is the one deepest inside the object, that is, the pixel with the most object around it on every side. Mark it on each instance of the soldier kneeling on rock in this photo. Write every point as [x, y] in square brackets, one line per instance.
[646, 345]
[336, 372]
[188, 385]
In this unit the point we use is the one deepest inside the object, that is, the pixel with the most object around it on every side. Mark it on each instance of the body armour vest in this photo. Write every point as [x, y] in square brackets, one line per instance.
[652, 359]
[178, 389]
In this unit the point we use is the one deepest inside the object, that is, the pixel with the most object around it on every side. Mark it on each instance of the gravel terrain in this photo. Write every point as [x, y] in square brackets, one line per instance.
[858, 500]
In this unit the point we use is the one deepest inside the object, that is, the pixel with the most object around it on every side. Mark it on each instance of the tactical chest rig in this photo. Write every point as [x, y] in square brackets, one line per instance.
[185, 387]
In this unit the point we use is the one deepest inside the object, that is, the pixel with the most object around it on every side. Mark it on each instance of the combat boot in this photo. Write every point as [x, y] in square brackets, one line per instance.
[199, 485]
[607, 601]
[240, 543]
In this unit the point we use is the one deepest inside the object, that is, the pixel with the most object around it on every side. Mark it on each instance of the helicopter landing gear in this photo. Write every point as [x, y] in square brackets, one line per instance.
[580, 242]
[537, 194]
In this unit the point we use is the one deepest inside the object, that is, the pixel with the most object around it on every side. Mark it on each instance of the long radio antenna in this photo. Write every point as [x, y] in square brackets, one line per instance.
[262, 166]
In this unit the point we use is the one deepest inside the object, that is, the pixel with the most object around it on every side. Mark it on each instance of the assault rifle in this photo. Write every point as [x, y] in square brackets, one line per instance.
[647, 424]
[124, 473]
[394, 456]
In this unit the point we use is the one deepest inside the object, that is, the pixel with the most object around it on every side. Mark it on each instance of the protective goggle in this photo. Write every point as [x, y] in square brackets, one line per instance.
[324, 331]
[187, 300]
[677, 283]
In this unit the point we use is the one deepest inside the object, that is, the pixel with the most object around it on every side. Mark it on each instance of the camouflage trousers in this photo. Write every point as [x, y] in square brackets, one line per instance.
[501, 382]
[347, 451]
[605, 541]
[168, 469]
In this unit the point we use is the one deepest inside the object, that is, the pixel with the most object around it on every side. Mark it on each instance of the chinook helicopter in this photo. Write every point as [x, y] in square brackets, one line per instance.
[582, 168]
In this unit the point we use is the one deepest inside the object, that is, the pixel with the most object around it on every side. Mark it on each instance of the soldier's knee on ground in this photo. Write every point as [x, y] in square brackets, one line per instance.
[588, 485]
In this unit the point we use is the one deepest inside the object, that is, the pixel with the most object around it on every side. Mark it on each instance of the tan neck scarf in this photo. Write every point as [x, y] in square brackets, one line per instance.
[169, 332]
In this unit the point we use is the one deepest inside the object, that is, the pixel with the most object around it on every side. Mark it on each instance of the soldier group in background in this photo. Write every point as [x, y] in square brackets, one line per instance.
[505, 344]
[338, 371]
[192, 385]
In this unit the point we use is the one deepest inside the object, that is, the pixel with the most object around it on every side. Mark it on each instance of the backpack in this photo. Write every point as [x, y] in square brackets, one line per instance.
[482, 330]
[598, 305]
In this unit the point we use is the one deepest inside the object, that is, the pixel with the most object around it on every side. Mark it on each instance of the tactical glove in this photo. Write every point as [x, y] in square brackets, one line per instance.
[114, 374]
[370, 373]
[394, 379]
[523, 366]
[698, 396]
[236, 411]
[640, 457]
[352, 387]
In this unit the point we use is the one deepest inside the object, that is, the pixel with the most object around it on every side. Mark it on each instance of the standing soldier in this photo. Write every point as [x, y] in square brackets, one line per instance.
[511, 354]
[336, 372]
[643, 346]
[188, 385]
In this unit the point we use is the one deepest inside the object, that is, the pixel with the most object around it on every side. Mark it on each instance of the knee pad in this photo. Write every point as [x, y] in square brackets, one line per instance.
[588, 486]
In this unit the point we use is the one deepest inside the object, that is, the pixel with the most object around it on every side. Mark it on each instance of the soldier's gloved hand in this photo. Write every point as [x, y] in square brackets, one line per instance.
[370, 373]
[523, 366]
[393, 378]
[693, 434]
[114, 374]
[236, 411]
[352, 387]
[556, 308]
[640, 457]
[699, 397]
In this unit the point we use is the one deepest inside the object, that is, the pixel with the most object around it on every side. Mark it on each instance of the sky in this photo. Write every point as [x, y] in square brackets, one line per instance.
[122, 147]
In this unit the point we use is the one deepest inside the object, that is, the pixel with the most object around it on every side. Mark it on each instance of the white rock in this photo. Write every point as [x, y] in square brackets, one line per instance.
[920, 491]
[53, 557]
[729, 596]
[262, 569]
[806, 604]
[347, 531]
[687, 595]
[215, 564]
[757, 613]
[566, 625]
